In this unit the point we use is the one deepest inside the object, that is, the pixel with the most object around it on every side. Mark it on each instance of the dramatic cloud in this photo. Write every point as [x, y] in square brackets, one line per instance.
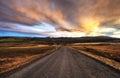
[63, 18]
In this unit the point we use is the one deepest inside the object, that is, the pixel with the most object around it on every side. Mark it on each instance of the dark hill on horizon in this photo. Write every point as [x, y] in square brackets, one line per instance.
[60, 40]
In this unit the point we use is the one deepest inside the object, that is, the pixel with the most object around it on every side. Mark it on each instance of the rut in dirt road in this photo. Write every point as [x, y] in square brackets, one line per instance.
[66, 63]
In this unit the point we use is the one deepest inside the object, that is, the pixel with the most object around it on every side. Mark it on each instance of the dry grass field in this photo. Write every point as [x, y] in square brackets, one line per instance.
[111, 51]
[18, 44]
[13, 56]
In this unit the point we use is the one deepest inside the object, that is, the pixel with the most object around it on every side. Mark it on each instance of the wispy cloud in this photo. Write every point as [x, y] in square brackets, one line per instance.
[70, 17]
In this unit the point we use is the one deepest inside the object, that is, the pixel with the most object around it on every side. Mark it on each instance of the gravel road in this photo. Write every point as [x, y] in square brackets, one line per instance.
[66, 63]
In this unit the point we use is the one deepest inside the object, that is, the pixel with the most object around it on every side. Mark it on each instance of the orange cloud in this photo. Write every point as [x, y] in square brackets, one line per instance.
[85, 16]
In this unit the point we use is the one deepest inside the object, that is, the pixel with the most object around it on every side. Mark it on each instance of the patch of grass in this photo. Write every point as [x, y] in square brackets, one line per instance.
[13, 52]
[109, 51]
[114, 56]
[11, 58]
[18, 43]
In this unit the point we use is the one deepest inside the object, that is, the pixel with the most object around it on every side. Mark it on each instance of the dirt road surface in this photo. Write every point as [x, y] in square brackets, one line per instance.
[66, 63]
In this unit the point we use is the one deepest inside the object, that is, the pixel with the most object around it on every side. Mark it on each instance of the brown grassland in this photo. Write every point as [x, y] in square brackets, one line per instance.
[13, 55]
[111, 51]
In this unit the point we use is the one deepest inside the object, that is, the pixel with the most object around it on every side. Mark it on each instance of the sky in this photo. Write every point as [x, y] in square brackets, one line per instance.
[60, 18]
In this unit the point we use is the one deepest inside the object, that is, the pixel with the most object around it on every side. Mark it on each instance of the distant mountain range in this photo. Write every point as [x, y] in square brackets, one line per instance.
[62, 39]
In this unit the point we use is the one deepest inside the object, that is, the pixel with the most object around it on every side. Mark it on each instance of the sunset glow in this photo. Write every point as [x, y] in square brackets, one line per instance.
[60, 18]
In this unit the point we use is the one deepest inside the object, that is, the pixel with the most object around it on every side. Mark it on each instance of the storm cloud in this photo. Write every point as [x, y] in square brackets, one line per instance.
[73, 17]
